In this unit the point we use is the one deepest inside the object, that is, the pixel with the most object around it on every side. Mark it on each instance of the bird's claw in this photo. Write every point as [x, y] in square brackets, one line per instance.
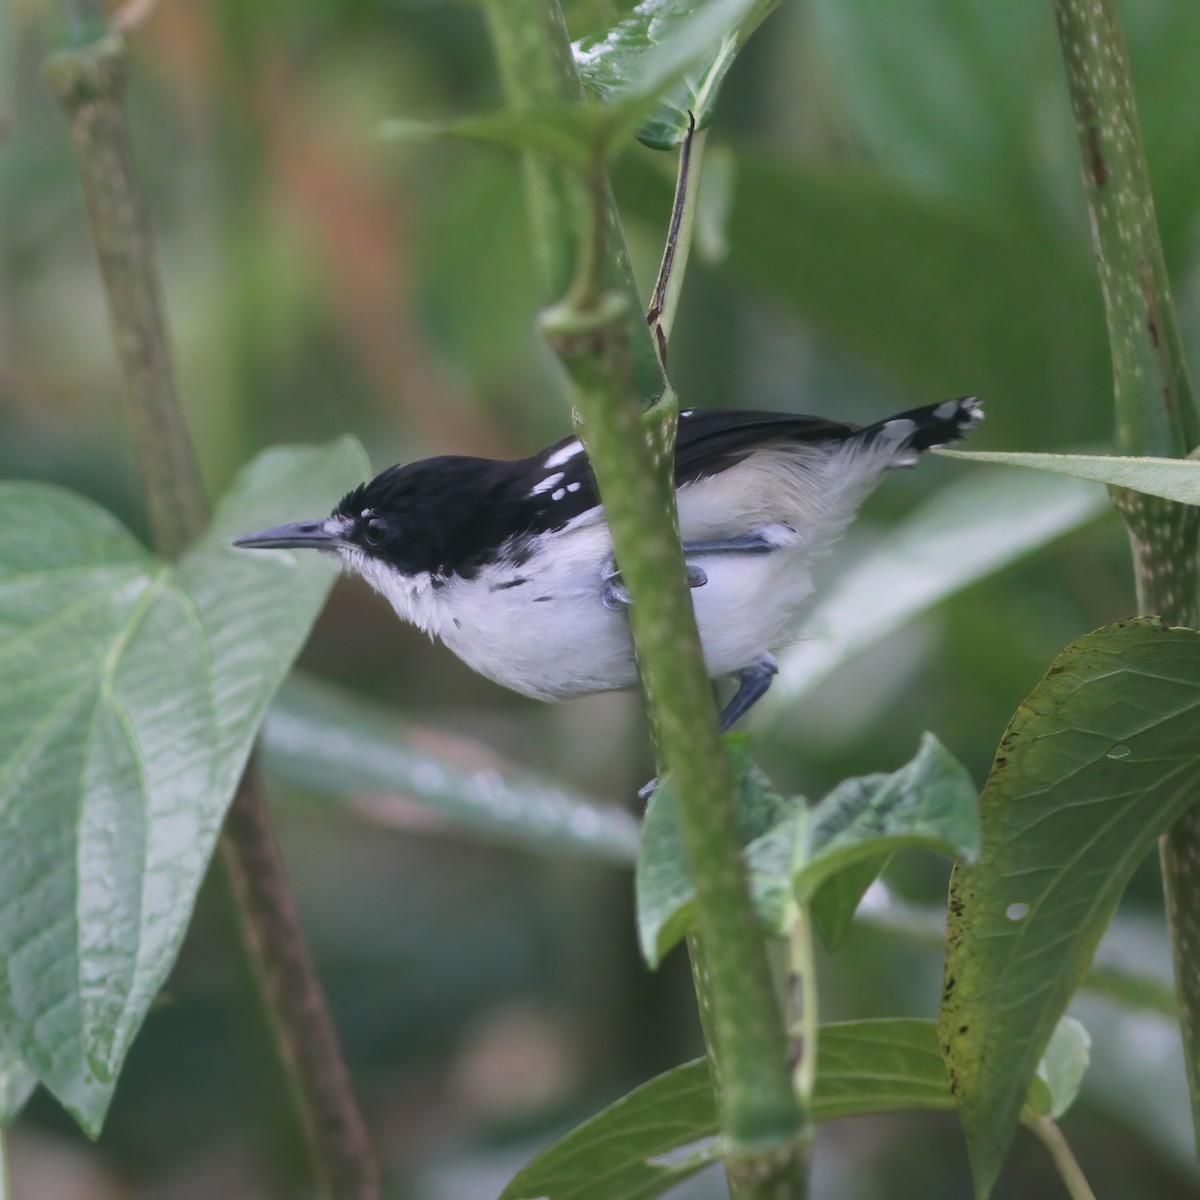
[615, 595]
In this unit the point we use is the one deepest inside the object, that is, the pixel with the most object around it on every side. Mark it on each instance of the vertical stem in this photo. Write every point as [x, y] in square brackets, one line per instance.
[90, 85]
[537, 71]
[89, 82]
[760, 1115]
[292, 995]
[604, 344]
[1155, 412]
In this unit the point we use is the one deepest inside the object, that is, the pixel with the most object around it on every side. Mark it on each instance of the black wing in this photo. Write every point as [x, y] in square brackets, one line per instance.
[712, 440]
[460, 513]
[553, 487]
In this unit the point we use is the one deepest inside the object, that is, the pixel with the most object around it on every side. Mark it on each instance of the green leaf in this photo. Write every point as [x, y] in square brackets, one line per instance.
[963, 532]
[667, 58]
[1064, 1064]
[686, 46]
[130, 693]
[1171, 478]
[835, 902]
[1132, 965]
[839, 847]
[890, 1065]
[665, 896]
[632, 1149]
[17, 1083]
[1098, 761]
[928, 803]
[666, 1130]
[793, 852]
[319, 739]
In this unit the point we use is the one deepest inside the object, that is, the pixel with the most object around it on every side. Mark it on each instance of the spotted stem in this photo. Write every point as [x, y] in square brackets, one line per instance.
[1154, 409]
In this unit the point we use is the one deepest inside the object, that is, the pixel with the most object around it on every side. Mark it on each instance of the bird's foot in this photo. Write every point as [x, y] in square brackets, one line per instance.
[615, 596]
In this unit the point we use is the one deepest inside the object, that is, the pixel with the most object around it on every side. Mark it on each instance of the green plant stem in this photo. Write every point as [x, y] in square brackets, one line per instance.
[90, 85]
[761, 1119]
[632, 457]
[89, 82]
[1155, 412]
[601, 339]
[4, 1185]
[537, 72]
[1052, 1138]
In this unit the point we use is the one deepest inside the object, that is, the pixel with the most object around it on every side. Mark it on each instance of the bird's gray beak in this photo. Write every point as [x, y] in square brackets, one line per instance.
[299, 535]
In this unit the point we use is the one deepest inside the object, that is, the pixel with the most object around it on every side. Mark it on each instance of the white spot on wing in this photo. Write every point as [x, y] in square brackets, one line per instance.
[547, 483]
[565, 453]
[558, 493]
[898, 429]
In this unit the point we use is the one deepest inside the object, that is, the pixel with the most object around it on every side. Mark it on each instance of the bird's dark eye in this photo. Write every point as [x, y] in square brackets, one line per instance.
[374, 532]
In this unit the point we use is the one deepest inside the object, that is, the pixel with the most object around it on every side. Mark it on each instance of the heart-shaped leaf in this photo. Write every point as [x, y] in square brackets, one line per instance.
[1099, 760]
[130, 693]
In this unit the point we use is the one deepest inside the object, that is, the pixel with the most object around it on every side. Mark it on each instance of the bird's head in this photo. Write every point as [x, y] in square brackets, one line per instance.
[384, 522]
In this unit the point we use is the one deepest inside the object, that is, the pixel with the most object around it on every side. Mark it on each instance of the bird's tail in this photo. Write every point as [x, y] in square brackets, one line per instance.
[928, 427]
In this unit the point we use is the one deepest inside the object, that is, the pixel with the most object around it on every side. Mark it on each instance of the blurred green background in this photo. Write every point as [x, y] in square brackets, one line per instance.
[896, 216]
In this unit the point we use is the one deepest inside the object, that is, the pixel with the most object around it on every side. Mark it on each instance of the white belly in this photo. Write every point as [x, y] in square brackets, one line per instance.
[552, 637]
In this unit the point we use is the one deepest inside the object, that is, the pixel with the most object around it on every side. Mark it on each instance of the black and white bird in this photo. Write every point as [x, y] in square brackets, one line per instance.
[511, 563]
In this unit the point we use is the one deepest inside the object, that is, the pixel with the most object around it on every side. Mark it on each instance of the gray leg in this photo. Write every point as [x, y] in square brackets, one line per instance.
[615, 596]
[753, 682]
[746, 543]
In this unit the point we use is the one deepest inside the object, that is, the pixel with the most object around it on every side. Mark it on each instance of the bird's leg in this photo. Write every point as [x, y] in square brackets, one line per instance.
[745, 543]
[753, 682]
[615, 595]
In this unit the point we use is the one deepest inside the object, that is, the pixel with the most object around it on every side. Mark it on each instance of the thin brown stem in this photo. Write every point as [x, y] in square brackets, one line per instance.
[292, 995]
[89, 82]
